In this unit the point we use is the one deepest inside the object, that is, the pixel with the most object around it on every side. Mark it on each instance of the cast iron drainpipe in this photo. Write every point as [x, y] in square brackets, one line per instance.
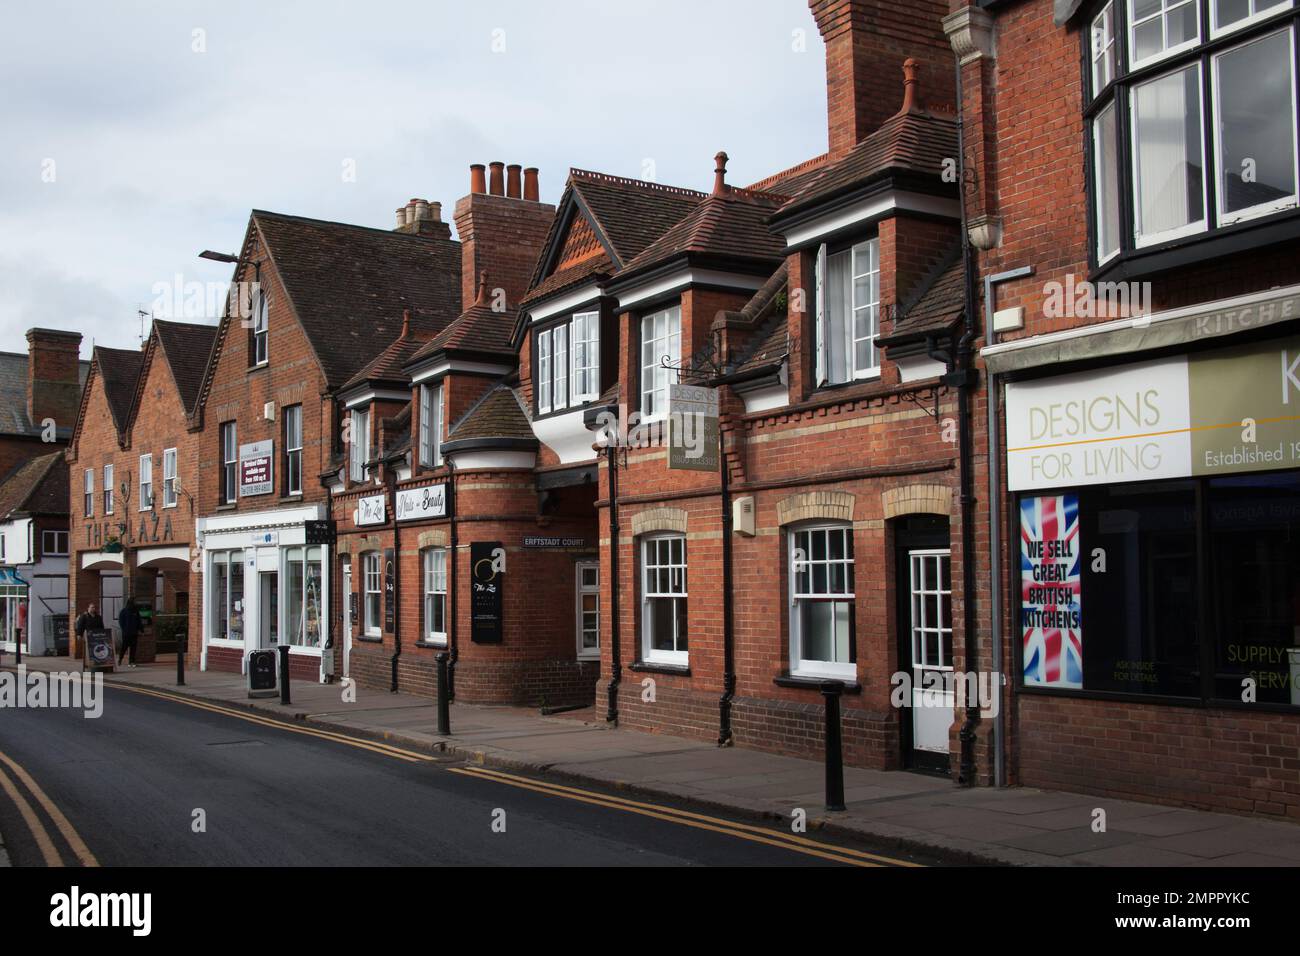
[965, 378]
[452, 541]
[725, 738]
[615, 656]
[397, 577]
[995, 516]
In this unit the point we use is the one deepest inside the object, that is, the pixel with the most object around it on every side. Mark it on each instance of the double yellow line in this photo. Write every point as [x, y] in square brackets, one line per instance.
[49, 852]
[700, 821]
[387, 750]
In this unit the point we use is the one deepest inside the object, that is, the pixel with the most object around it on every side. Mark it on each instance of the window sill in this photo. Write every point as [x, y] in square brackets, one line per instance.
[259, 366]
[655, 667]
[589, 657]
[435, 645]
[229, 506]
[815, 683]
[370, 639]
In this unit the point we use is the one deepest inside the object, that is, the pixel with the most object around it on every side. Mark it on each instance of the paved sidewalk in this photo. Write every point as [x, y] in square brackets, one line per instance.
[1018, 826]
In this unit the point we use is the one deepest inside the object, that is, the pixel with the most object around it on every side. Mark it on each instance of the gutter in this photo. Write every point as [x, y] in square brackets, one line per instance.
[616, 670]
[397, 578]
[454, 644]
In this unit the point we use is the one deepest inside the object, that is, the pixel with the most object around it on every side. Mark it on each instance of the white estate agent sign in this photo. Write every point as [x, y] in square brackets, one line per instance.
[256, 469]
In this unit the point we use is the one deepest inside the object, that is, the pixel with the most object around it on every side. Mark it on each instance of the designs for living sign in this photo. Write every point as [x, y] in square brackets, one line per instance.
[1051, 599]
[370, 510]
[256, 471]
[1231, 410]
[427, 502]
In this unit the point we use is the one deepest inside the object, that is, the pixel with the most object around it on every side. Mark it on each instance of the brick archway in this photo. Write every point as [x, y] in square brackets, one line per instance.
[812, 505]
[659, 519]
[916, 500]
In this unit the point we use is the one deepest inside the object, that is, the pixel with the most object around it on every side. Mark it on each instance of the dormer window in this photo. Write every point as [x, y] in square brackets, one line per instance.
[848, 312]
[661, 347]
[1192, 118]
[568, 363]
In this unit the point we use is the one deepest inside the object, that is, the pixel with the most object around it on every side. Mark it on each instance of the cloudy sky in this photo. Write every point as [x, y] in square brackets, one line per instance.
[134, 135]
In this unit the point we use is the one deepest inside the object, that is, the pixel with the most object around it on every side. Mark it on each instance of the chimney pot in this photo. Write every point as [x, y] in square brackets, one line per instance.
[401, 216]
[496, 179]
[481, 299]
[421, 209]
[435, 211]
[530, 184]
[512, 180]
[406, 323]
[477, 180]
[720, 174]
[911, 88]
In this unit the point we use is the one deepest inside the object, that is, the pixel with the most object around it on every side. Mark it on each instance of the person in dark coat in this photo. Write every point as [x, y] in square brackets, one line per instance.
[128, 619]
[87, 620]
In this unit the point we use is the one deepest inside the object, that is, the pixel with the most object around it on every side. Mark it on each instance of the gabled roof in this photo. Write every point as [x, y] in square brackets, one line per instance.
[119, 370]
[623, 215]
[186, 347]
[349, 285]
[914, 140]
[38, 486]
[13, 395]
[498, 418]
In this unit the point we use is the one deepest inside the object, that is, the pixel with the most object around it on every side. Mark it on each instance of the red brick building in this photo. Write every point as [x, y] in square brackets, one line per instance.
[1132, 191]
[134, 477]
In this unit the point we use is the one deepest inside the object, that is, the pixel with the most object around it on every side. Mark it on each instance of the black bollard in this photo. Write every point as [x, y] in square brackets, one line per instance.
[180, 665]
[444, 701]
[831, 691]
[284, 673]
[18, 646]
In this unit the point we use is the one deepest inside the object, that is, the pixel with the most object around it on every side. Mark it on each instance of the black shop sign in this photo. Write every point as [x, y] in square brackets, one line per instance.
[99, 650]
[487, 561]
[390, 592]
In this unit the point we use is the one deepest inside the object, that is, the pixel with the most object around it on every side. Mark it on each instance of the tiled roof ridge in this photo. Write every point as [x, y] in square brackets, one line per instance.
[803, 167]
[923, 285]
[381, 230]
[640, 183]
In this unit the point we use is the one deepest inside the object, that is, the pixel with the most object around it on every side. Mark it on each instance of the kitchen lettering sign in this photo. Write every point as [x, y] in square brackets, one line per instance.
[427, 502]
[1221, 412]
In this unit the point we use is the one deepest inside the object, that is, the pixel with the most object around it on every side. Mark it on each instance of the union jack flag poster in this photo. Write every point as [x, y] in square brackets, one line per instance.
[1051, 609]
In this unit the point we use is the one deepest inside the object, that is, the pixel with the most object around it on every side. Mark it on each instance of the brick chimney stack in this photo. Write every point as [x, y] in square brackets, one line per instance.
[502, 227]
[53, 376]
[866, 44]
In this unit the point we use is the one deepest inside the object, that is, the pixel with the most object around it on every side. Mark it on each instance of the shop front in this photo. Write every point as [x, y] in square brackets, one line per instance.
[264, 584]
[1157, 514]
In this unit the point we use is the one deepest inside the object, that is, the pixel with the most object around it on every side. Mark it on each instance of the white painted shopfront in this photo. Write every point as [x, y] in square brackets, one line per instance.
[265, 584]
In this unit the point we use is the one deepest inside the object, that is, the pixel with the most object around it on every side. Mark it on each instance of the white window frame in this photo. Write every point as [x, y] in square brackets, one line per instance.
[55, 551]
[1222, 217]
[359, 453]
[917, 630]
[677, 590]
[1256, 16]
[584, 346]
[229, 560]
[801, 666]
[582, 588]
[1097, 173]
[261, 331]
[1192, 228]
[1102, 31]
[431, 416]
[292, 448]
[372, 572]
[544, 372]
[229, 437]
[108, 489]
[434, 568]
[656, 380]
[824, 324]
[170, 498]
[1166, 6]
[88, 493]
[146, 482]
[297, 637]
[560, 367]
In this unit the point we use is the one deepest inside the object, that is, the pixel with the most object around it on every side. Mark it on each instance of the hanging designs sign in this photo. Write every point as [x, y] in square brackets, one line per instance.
[1051, 600]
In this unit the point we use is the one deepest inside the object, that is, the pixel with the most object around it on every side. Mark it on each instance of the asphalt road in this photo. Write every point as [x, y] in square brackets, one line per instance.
[130, 782]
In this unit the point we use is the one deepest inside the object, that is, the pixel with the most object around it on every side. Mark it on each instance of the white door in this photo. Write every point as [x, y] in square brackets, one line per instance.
[932, 689]
[347, 615]
[268, 589]
[587, 609]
